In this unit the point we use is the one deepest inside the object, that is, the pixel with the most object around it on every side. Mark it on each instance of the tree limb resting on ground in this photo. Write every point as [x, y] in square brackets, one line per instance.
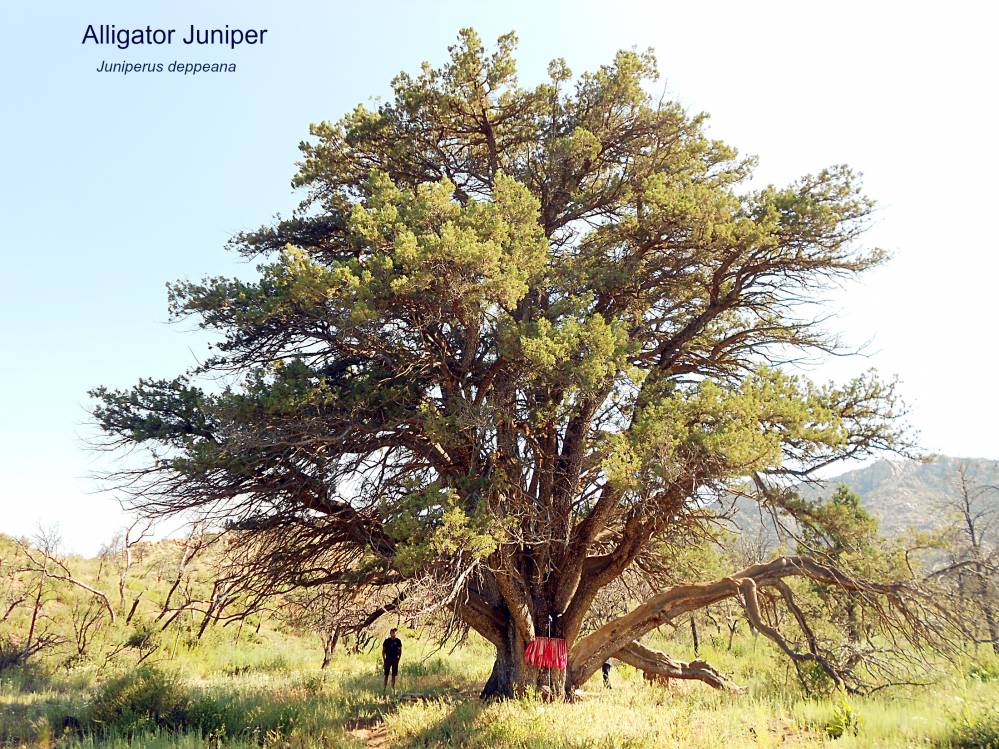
[654, 662]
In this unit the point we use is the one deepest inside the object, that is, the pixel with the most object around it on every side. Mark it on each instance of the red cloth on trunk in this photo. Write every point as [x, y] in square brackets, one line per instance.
[548, 652]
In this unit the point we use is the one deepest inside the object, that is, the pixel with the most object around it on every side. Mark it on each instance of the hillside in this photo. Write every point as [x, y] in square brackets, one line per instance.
[901, 494]
[907, 493]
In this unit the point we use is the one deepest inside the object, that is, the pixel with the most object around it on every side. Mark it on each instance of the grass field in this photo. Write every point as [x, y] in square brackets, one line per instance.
[267, 690]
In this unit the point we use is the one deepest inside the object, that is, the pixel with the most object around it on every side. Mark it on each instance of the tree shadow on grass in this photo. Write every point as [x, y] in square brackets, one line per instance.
[416, 684]
[456, 729]
[358, 704]
[419, 680]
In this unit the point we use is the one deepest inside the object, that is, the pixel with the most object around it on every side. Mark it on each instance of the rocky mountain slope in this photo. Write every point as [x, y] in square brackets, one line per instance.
[911, 494]
[901, 494]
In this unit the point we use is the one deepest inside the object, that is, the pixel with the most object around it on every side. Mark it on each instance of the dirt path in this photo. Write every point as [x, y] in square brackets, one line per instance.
[376, 737]
[373, 732]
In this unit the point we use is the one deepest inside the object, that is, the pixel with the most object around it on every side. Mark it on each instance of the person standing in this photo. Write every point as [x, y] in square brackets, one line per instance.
[391, 655]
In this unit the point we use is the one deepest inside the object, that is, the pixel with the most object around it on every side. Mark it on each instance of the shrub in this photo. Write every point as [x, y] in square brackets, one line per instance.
[985, 670]
[29, 676]
[973, 731]
[141, 636]
[814, 679]
[212, 718]
[844, 719]
[140, 699]
[431, 667]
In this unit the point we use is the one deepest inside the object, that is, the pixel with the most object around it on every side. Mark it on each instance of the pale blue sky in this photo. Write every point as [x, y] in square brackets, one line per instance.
[114, 185]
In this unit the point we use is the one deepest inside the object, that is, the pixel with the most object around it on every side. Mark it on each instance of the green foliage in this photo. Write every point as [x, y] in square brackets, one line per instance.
[815, 680]
[985, 668]
[844, 719]
[430, 523]
[975, 730]
[739, 428]
[839, 526]
[143, 635]
[580, 352]
[495, 305]
[142, 699]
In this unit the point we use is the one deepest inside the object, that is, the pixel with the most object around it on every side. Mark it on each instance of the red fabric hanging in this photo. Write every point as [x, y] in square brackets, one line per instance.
[547, 652]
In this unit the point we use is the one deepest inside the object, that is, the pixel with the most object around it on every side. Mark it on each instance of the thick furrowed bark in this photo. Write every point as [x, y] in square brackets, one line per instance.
[653, 662]
[503, 678]
[484, 618]
[515, 596]
[512, 677]
[509, 674]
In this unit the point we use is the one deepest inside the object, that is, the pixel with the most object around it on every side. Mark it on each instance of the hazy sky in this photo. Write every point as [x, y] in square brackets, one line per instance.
[113, 185]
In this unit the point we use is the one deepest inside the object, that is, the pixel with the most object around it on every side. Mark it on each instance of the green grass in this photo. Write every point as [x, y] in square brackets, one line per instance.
[267, 690]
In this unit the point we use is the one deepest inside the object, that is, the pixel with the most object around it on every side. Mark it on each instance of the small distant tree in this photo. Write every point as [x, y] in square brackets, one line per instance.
[335, 614]
[840, 530]
[510, 346]
[14, 588]
[838, 526]
[973, 511]
[28, 574]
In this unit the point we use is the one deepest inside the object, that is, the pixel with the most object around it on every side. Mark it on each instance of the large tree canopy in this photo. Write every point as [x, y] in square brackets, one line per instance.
[507, 351]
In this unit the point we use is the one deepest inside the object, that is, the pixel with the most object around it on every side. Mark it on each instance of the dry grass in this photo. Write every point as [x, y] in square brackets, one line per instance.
[271, 693]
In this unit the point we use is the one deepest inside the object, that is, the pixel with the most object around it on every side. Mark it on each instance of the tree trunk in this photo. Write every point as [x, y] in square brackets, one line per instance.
[512, 677]
[986, 605]
[34, 620]
[853, 618]
[990, 623]
[330, 640]
[510, 674]
[993, 633]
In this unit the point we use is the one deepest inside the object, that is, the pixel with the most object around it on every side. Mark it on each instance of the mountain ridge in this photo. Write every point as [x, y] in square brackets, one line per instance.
[907, 493]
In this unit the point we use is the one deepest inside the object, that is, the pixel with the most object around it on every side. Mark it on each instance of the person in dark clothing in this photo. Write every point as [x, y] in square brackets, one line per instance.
[606, 668]
[391, 655]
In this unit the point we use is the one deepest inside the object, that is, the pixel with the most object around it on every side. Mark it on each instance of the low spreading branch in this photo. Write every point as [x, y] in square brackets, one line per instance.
[654, 662]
